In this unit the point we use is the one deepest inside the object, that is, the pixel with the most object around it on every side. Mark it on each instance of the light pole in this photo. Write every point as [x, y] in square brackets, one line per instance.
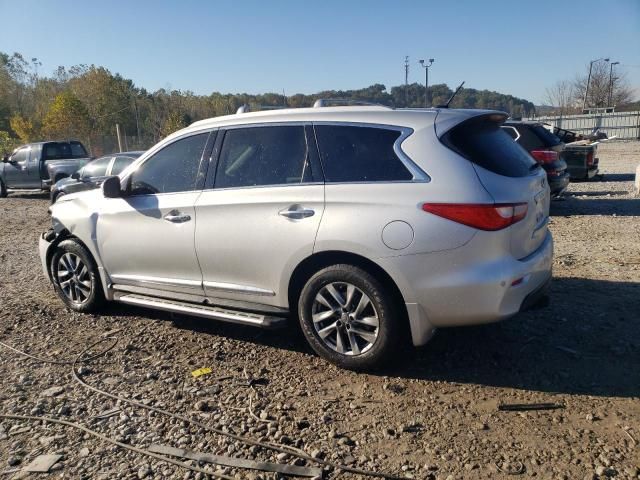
[586, 90]
[609, 104]
[426, 80]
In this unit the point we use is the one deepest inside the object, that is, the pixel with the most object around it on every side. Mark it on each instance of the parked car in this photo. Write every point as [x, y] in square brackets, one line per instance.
[93, 174]
[364, 223]
[37, 165]
[545, 147]
[580, 153]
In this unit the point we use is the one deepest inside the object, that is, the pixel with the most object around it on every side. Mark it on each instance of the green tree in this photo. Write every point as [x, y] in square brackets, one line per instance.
[7, 144]
[174, 122]
[23, 128]
[67, 118]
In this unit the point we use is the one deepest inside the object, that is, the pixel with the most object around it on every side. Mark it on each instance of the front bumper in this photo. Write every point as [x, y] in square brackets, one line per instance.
[43, 247]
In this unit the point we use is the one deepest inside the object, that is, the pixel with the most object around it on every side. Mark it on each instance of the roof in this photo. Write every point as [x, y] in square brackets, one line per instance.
[414, 117]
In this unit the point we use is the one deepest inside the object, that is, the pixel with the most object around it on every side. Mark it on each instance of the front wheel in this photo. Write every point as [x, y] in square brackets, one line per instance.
[3, 190]
[75, 277]
[348, 317]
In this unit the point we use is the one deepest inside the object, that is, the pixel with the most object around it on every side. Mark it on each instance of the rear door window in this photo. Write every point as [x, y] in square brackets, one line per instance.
[484, 143]
[360, 154]
[260, 156]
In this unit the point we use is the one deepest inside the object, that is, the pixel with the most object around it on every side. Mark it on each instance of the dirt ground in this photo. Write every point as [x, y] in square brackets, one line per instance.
[434, 415]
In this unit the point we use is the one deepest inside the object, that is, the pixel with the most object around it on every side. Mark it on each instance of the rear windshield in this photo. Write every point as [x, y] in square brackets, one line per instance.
[546, 136]
[59, 150]
[484, 143]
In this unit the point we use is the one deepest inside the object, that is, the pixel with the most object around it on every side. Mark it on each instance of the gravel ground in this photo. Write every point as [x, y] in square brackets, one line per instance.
[433, 415]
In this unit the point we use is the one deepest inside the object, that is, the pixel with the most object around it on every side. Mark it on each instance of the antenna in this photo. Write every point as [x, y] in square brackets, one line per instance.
[446, 105]
[406, 81]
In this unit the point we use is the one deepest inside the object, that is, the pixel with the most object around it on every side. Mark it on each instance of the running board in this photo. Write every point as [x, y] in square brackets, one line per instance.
[207, 311]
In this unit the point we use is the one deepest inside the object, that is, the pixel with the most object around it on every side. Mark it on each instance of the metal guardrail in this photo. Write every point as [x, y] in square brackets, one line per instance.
[624, 125]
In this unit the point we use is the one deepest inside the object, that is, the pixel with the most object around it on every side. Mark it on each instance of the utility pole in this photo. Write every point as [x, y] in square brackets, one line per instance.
[586, 90]
[426, 80]
[119, 139]
[609, 104]
[406, 81]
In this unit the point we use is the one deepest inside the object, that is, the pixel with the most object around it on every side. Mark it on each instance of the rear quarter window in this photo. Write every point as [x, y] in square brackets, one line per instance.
[484, 143]
[360, 154]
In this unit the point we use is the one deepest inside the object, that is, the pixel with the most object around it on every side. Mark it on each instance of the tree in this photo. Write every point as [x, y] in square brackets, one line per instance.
[562, 97]
[67, 118]
[7, 144]
[174, 122]
[23, 128]
[598, 93]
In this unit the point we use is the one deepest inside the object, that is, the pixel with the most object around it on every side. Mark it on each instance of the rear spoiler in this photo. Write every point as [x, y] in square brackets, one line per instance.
[447, 119]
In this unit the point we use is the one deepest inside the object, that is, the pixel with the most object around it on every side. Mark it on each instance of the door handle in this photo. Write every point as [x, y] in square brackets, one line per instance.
[297, 213]
[174, 216]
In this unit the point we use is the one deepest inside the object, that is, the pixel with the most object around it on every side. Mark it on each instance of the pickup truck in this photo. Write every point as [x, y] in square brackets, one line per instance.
[38, 165]
[580, 153]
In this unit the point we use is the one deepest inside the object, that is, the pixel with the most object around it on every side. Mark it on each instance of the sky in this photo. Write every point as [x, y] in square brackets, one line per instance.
[233, 46]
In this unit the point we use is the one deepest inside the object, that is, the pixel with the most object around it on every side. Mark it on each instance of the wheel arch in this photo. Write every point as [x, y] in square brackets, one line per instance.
[317, 261]
[67, 235]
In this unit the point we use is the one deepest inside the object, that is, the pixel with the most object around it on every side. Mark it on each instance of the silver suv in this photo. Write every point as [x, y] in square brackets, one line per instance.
[368, 224]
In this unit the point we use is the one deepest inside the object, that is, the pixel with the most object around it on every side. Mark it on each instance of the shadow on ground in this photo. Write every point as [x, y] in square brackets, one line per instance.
[34, 195]
[596, 206]
[618, 177]
[585, 342]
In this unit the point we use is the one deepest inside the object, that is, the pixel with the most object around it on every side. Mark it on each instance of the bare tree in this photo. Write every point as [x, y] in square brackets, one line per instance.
[598, 93]
[561, 97]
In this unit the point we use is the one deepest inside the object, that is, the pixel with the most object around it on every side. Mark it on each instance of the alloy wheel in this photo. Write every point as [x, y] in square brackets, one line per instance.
[74, 278]
[345, 318]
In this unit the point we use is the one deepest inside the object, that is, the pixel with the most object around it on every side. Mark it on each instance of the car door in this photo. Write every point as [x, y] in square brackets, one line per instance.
[15, 171]
[33, 179]
[260, 213]
[146, 238]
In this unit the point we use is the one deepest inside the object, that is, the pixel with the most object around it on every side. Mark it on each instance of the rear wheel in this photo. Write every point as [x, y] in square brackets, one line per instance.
[75, 277]
[3, 190]
[348, 317]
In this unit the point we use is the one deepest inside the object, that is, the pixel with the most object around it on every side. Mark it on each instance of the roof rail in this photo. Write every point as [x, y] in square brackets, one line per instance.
[327, 102]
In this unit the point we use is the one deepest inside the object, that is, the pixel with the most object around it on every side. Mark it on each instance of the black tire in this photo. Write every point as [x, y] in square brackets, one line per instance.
[3, 190]
[381, 303]
[89, 295]
[57, 196]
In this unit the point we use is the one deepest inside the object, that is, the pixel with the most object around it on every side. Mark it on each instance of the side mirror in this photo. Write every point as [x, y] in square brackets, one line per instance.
[111, 188]
[5, 158]
[75, 175]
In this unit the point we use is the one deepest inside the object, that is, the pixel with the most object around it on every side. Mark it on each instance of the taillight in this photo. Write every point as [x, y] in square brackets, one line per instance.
[544, 156]
[491, 217]
[590, 159]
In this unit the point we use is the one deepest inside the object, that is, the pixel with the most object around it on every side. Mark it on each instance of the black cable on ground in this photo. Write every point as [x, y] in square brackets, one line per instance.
[249, 441]
[240, 438]
[115, 442]
[62, 362]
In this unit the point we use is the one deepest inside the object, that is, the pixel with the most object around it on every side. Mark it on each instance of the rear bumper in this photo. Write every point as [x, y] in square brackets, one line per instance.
[538, 298]
[465, 286]
[559, 183]
[592, 171]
